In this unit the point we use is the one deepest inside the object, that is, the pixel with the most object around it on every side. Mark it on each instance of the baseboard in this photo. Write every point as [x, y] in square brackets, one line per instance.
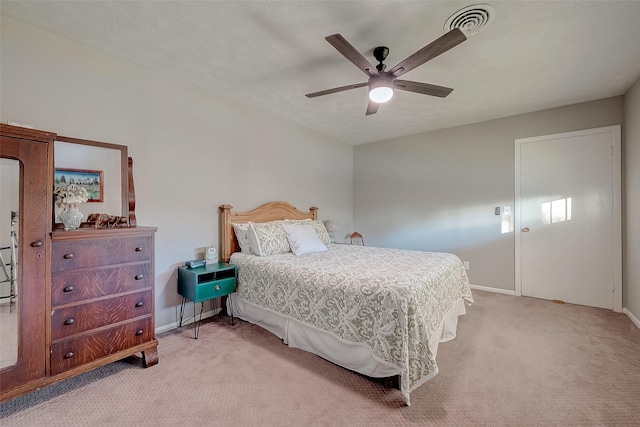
[496, 290]
[174, 325]
[633, 318]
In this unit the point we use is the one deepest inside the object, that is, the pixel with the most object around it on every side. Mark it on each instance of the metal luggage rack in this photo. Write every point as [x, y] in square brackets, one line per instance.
[9, 269]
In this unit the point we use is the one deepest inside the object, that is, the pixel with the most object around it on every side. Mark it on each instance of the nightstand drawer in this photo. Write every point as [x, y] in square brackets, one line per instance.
[209, 290]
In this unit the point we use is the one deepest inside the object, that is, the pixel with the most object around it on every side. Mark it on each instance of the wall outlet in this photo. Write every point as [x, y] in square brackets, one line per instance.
[466, 265]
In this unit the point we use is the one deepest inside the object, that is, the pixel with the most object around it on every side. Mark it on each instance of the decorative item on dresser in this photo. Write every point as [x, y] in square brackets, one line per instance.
[69, 197]
[85, 297]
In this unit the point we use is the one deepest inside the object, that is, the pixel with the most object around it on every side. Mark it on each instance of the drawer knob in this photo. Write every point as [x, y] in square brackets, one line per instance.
[68, 289]
[70, 321]
[139, 332]
[68, 355]
[36, 244]
[217, 288]
[68, 256]
[139, 304]
[139, 277]
[138, 249]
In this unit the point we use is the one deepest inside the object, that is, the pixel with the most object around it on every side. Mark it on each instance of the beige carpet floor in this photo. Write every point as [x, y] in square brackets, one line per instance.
[515, 362]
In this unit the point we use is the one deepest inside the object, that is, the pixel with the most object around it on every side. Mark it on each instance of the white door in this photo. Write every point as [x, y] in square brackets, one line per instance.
[568, 226]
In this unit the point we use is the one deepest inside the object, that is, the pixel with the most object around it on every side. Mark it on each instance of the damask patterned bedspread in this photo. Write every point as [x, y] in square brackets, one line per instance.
[390, 299]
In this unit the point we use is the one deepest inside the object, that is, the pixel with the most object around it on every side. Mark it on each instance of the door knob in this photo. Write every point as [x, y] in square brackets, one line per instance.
[36, 244]
[526, 229]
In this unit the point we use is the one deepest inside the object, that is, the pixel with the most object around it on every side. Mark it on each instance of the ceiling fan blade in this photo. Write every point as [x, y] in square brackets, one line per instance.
[372, 108]
[336, 89]
[423, 88]
[430, 51]
[350, 52]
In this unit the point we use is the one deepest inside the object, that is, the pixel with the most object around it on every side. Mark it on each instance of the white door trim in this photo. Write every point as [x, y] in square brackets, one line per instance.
[616, 180]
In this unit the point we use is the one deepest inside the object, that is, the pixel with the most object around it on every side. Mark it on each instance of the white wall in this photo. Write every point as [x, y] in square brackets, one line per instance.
[631, 203]
[438, 190]
[192, 150]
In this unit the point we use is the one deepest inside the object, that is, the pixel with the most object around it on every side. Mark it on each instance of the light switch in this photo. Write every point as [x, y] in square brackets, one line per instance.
[497, 210]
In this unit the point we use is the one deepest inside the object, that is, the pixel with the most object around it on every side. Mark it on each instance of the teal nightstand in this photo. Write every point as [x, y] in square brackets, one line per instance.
[204, 283]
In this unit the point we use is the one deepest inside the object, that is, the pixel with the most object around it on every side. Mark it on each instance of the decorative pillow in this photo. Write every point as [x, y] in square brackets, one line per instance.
[268, 238]
[317, 225]
[303, 239]
[242, 234]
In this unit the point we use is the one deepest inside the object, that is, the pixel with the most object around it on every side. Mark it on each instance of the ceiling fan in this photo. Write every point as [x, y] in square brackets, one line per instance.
[382, 83]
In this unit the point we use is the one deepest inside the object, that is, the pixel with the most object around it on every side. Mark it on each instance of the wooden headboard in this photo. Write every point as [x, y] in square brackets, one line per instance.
[271, 211]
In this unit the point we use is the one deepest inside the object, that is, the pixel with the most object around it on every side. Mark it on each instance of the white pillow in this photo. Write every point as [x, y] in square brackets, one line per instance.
[242, 234]
[268, 238]
[303, 239]
[317, 225]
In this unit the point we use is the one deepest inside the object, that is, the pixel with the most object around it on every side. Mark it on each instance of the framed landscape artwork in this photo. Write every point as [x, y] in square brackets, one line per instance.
[91, 180]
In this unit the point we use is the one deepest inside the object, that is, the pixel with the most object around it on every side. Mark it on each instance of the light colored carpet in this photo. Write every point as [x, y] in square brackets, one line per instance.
[516, 361]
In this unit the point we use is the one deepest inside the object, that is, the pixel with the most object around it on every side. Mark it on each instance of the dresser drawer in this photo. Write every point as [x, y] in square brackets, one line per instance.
[205, 291]
[74, 352]
[72, 286]
[71, 255]
[80, 318]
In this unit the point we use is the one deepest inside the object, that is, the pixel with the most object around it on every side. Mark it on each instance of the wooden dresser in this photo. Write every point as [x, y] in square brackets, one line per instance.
[84, 298]
[102, 285]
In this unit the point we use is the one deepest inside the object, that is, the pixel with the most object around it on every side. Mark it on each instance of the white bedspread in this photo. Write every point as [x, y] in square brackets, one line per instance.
[394, 301]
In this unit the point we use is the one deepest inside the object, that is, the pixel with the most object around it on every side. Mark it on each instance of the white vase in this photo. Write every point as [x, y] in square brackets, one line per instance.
[71, 217]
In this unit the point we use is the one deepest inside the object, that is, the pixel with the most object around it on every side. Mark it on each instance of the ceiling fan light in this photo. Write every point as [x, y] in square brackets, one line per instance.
[380, 94]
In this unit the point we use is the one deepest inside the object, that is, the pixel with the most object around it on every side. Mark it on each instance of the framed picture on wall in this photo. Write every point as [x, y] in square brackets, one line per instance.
[91, 180]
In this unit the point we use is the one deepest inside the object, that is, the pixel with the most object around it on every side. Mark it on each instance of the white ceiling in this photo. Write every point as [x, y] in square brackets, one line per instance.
[534, 55]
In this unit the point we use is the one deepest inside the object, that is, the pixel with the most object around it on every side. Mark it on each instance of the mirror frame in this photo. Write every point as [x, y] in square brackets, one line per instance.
[125, 174]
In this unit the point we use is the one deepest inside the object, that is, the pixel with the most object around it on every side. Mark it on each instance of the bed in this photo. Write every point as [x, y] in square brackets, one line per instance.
[377, 311]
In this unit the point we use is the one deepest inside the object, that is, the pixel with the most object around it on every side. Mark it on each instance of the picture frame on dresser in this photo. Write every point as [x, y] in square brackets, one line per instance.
[90, 180]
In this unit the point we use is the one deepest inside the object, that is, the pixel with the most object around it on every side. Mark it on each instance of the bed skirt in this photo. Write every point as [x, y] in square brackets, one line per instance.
[357, 357]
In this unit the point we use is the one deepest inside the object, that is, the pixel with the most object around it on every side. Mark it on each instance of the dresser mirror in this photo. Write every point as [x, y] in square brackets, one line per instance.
[9, 283]
[98, 159]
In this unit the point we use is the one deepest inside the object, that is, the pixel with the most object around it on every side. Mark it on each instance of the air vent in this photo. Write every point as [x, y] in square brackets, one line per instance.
[471, 19]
